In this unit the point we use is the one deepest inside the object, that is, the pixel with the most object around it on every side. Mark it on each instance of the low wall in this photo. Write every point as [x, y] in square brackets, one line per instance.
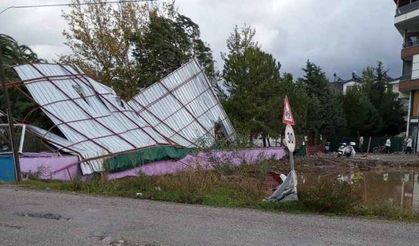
[49, 166]
[204, 160]
[53, 166]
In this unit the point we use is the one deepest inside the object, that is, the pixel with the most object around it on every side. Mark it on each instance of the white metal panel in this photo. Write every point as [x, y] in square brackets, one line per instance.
[183, 107]
[415, 67]
[97, 123]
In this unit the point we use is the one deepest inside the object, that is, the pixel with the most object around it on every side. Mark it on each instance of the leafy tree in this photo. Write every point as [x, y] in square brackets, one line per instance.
[100, 36]
[325, 114]
[166, 44]
[103, 38]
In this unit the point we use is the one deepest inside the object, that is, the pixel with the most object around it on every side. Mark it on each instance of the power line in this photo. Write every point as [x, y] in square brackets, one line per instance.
[70, 4]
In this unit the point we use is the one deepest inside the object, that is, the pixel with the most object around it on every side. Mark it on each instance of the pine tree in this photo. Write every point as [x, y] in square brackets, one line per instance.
[325, 114]
[379, 92]
[256, 89]
[362, 117]
[254, 104]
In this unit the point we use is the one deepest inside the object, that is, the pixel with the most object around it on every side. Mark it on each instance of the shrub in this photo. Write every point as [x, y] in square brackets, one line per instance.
[221, 165]
[331, 197]
[263, 168]
[386, 210]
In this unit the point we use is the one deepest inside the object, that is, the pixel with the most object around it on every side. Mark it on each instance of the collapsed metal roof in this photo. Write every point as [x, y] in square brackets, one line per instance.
[90, 115]
[184, 107]
[181, 109]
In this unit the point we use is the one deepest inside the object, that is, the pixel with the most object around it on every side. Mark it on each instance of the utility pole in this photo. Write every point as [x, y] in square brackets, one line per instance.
[10, 120]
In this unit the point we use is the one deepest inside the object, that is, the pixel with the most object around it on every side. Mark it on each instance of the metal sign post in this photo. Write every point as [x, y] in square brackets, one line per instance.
[287, 191]
[10, 120]
[290, 142]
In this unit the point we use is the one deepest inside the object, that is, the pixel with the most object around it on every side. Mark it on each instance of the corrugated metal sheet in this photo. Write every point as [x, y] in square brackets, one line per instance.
[89, 114]
[180, 109]
[183, 107]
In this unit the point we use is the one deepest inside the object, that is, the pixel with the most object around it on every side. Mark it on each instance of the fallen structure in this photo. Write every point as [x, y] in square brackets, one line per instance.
[101, 132]
[184, 108]
[96, 123]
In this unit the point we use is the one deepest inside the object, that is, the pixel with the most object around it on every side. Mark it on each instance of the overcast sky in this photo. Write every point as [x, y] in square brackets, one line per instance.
[341, 36]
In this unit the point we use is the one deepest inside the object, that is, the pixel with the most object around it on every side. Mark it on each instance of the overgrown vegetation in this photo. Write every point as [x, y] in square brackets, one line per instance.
[331, 197]
[238, 187]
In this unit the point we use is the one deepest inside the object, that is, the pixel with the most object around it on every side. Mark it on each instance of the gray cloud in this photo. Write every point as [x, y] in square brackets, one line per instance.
[339, 35]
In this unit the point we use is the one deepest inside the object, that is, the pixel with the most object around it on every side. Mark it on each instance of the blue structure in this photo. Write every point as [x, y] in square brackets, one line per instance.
[7, 168]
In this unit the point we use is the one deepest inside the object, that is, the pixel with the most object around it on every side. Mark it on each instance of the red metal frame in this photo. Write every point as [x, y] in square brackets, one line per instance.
[87, 83]
[186, 104]
[80, 77]
[85, 111]
[170, 92]
[216, 97]
[63, 122]
[161, 122]
[165, 94]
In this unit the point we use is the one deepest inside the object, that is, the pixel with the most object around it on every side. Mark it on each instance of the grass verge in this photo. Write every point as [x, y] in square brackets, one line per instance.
[242, 187]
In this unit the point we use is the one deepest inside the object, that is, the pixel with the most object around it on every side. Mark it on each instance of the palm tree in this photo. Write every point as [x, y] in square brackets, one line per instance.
[14, 54]
[12, 51]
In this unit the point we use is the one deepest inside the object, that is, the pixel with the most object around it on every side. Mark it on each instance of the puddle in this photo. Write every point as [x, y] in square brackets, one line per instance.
[397, 187]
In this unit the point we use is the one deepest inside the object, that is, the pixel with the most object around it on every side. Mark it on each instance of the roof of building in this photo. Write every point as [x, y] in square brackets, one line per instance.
[339, 83]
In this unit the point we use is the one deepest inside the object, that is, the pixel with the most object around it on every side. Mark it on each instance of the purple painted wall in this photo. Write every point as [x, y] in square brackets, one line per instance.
[49, 166]
[205, 160]
[53, 166]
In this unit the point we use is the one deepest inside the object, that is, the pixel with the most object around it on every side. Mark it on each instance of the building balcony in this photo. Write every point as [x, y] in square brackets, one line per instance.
[407, 16]
[410, 49]
[408, 84]
[407, 6]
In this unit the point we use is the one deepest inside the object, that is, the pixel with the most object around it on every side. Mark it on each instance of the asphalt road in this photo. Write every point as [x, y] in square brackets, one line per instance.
[49, 218]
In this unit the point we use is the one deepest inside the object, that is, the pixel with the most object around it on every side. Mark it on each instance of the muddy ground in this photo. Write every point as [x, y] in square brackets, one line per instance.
[361, 162]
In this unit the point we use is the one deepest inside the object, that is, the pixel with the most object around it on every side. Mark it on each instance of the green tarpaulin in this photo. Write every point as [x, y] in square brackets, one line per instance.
[130, 160]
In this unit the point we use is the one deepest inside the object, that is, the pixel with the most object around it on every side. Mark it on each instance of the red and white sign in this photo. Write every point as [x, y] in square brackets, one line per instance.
[287, 117]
